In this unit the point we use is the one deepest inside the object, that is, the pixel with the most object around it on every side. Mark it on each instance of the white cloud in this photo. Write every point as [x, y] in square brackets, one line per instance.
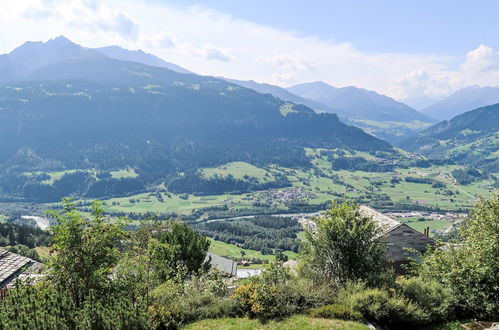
[213, 53]
[213, 43]
[481, 60]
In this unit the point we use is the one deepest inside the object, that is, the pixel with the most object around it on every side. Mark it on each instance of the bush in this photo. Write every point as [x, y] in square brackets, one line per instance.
[46, 307]
[336, 311]
[276, 294]
[470, 269]
[177, 303]
[430, 295]
[265, 301]
[311, 294]
[25, 251]
[380, 305]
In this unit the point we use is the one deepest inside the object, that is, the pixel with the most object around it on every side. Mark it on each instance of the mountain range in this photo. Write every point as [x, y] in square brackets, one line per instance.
[82, 110]
[377, 114]
[463, 100]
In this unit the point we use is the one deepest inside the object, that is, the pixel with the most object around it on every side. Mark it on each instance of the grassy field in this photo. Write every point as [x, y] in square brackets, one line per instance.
[125, 173]
[420, 226]
[239, 170]
[232, 251]
[169, 202]
[3, 218]
[323, 183]
[297, 322]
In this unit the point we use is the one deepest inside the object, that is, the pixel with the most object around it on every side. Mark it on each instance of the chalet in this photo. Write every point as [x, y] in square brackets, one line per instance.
[397, 237]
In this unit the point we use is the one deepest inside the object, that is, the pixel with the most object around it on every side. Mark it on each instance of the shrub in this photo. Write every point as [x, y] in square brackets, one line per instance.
[336, 311]
[265, 301]
[276, 294]
[470, 269]
[430, 295]
[177, 303]
[380, 305]
[311, 294]
[47, 307]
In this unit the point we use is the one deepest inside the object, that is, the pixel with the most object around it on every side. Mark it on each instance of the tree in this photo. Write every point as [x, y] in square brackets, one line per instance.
[471, 269]
[85, 251]
[340, 246]
[173, 246]
[281, 257]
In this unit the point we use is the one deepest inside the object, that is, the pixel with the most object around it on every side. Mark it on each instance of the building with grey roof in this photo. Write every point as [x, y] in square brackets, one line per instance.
[397, 237]
[11, 266]
[224, 265]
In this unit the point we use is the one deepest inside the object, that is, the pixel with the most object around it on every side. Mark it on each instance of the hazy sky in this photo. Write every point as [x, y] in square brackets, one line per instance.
[412, 51]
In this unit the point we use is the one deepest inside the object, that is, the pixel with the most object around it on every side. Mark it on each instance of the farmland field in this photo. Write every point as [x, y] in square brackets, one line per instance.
[320, 184]
[232, 251]
[420, 226]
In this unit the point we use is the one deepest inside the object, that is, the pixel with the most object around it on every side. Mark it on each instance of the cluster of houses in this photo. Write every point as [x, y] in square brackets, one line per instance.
[285, 196]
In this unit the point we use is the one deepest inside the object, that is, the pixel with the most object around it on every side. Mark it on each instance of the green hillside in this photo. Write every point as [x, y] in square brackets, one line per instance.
[469, 139]
[92, 117]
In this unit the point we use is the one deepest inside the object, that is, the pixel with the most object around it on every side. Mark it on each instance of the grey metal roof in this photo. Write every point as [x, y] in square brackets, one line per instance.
[11, 265]
[223, 264]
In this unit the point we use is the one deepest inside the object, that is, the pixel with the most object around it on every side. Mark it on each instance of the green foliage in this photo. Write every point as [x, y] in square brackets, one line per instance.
[467, 175]
[275, 293]
[176, 303]
[86, 250]
[28, 307]
[381, 305]
[335, 311]
[430, 295]
[173, 246]
[341, 247]
[471, 269]
[14, 234]
[25, 251]
[262, 233]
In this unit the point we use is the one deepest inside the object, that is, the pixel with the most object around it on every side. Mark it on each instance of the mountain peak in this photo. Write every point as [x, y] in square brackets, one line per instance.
[33, 55]
[61, 40]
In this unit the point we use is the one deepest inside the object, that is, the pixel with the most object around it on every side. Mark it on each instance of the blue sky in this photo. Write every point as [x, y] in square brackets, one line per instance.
[414, 51]
[445, 26]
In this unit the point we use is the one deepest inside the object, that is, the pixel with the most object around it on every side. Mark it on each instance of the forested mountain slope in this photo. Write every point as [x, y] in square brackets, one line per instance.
[102, 114]
[471, 138]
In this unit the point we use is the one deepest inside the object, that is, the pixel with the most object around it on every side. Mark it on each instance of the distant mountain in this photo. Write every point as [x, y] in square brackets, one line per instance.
[464, 99]
[357, 102]
[34, 55]
[281, 93]
[471, 138]
[375, 113]
[122, 54]
[98, 113]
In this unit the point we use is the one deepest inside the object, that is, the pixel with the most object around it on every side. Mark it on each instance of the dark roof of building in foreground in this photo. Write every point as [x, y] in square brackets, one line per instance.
[225, 265]
[11, 265]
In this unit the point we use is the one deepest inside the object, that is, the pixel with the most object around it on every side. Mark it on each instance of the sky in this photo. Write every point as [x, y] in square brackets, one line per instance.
[414, 51]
